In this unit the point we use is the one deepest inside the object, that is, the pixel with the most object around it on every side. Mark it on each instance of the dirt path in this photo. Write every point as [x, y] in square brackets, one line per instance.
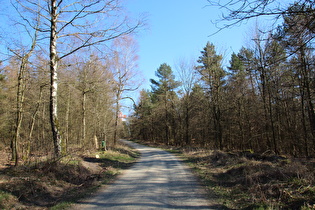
[157, 181]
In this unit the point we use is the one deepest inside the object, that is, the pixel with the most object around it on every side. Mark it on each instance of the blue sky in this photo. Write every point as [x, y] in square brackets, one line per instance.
[180, 29]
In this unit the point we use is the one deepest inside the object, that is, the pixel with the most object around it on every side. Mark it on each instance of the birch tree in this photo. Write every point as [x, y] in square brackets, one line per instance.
[70, 26]
[124, 67]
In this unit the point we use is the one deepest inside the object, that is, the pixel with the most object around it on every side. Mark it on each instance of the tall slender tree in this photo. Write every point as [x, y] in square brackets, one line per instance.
[212, 76]
[185, 70]
[125, 71]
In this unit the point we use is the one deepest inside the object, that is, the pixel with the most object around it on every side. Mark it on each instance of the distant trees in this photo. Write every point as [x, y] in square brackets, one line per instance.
[263, 101]
[187, 78]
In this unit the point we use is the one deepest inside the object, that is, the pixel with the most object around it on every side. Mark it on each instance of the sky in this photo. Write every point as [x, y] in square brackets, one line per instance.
[180, 29]
[177, 30]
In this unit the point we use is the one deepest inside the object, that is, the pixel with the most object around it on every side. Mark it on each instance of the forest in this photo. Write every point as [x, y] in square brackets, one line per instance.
[62, 87]
[65, 67]
[262, 102]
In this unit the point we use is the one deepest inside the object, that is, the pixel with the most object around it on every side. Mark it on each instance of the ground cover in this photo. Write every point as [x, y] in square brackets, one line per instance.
[245, 180]
[51, 184]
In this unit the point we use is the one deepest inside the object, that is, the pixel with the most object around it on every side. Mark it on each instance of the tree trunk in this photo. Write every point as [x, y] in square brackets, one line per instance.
[187, 125]
[83, 117]
[19, 112]
[53, 79]
[67, 120]
[19, 105]
[30, 136]
[97, 146]
[116, 120]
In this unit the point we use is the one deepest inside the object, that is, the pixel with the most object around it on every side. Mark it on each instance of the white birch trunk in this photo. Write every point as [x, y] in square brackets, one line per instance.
[54, 78]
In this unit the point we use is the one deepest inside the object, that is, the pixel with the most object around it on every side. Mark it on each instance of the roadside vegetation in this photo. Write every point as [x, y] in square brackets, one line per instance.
[55, 185]
[245, 180]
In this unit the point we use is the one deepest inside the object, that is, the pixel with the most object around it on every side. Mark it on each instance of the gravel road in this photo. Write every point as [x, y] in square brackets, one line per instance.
[157, 181]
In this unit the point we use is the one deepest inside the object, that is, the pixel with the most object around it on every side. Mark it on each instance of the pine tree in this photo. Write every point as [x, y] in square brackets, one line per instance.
[212, 75]
[163, 96]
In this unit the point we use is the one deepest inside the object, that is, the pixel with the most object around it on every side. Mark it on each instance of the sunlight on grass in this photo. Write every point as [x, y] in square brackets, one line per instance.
[63, 205]
[116, 156]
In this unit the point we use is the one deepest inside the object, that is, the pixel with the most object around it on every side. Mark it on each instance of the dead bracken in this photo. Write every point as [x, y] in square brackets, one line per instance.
[48, 183]
[244, 180]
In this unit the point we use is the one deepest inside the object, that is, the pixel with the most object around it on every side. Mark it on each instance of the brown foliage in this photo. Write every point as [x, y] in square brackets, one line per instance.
[248, 180]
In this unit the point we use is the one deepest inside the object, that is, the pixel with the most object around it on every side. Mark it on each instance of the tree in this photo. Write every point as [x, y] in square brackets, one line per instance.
[236, 12]
[237, 91]
[3, 105]
[142, 120]
[212, 76]
[88, 77]
[22, 52]
[296, 35]
[199, 112]
[185, 70]
[20, 99]
[163, 96]
[77, 25]
[125, 72]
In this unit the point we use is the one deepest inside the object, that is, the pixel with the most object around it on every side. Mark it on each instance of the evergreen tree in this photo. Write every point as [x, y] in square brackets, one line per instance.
[297, 35]
[166, 82]
[142, 120]
[212, 75]
[163, 96]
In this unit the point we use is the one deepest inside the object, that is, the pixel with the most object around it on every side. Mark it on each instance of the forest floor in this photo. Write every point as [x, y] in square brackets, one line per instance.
[247, 180]
[52, 185]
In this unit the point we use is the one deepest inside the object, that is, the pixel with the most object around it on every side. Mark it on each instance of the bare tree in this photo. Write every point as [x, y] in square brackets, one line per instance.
[124, 67]
[23, 55]
[71, 26]
[187, 78]
[235, 12]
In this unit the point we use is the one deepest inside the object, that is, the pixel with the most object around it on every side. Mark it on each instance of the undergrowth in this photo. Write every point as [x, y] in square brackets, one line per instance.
[51, 184]
[244, 180]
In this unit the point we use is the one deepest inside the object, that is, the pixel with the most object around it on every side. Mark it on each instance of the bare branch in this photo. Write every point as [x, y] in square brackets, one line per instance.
[87, 42]
[236, 12]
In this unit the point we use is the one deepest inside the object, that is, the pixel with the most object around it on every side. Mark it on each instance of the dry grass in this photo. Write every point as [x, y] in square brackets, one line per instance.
[42, 185]
[243, 180]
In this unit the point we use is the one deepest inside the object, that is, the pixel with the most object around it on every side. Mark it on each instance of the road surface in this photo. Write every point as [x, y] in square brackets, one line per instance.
[157, 181]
